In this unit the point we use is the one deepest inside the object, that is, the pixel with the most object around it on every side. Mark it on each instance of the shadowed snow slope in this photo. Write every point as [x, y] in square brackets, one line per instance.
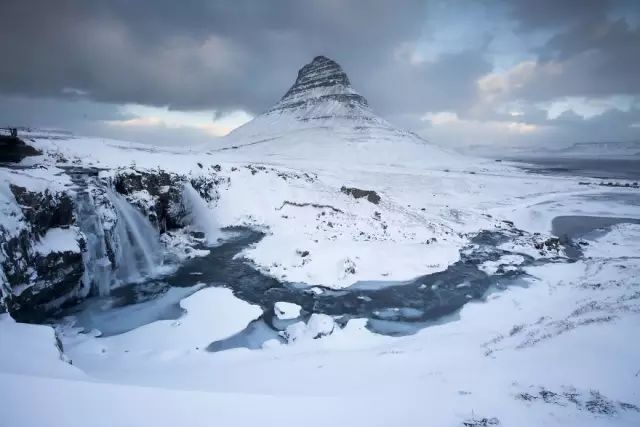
[323, 118]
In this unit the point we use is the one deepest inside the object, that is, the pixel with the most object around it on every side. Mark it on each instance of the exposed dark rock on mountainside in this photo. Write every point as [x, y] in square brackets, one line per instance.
[318, 82]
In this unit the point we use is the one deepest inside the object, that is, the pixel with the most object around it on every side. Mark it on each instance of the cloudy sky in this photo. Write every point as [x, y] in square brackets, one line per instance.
[456, 72]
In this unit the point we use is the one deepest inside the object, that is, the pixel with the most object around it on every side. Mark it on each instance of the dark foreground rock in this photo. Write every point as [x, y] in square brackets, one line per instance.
[164, 207]
[34, 279]
[165, 189]
[34, 282]
[357, 193]
[14, 149]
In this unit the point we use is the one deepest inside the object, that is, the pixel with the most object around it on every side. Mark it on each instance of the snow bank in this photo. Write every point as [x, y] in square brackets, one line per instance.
[31, 350]
[620, 240]
[211, 314]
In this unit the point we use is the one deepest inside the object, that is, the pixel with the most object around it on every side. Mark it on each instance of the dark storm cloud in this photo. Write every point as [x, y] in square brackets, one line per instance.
[74, 63]
[446, 84]
[18, 110]
[550, 14]
[196, 54]
[593, 52]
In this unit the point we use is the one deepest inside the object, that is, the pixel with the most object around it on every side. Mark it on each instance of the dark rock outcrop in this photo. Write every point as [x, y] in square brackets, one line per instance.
[58, 275]
[44, 210]
[34, 284]
[165, 189]
[14, 149]
[357, 193]
[166, 211]
[40, 278]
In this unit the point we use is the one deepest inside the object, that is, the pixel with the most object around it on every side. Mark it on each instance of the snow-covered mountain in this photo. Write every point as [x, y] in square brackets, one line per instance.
[321, 96]
[321, 117]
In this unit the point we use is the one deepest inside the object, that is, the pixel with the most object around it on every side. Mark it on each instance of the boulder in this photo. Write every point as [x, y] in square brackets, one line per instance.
[357, 193]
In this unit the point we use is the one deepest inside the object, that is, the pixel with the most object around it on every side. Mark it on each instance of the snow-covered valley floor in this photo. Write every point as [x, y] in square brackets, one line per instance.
[557, 347]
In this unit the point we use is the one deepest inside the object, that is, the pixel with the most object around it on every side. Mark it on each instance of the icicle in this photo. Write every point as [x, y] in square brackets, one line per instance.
[98, 274]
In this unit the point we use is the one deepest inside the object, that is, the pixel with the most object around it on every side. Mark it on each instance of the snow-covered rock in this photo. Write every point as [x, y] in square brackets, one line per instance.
[58, 240]
[318, 326]
[40, 248]
[286, 310]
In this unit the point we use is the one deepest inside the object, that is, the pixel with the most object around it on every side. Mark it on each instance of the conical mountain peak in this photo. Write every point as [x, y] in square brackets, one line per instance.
[321, 89]
[320, 98]
[322, 72]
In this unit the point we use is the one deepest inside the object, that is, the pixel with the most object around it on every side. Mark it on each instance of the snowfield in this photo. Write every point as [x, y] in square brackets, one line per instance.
[527, 356]
[345, 201]
[556, 351]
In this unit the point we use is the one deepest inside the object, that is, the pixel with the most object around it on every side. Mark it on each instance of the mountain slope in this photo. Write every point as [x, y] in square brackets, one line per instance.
[322, 118]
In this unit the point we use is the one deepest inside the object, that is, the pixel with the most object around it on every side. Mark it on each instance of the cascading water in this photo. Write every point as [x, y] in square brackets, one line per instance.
[122, 245]
[199, 214]
[137, 247]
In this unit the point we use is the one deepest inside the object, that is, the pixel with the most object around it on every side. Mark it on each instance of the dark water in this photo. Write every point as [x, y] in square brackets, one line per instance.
[575, 231]
[392, 307]
[577, 226]
[628, 169]
[419, 300]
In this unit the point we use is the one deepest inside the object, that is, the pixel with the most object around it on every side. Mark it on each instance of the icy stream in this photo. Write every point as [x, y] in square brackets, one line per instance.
[394, 308]
[398, 308]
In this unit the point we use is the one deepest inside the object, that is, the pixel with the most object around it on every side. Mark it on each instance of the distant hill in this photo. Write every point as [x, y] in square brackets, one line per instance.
[603, 149]
[582, 150]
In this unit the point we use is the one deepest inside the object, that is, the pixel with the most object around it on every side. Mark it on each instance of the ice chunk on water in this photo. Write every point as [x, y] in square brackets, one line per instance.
[286, 310]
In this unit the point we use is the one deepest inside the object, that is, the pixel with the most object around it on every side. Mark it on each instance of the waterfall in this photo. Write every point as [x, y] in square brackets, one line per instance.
[137, 246]
[199, 214]
[97, 266]
[131, 240]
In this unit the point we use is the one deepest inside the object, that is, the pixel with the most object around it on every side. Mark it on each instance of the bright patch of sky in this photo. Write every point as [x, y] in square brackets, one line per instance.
[209, 121]
[589, 107]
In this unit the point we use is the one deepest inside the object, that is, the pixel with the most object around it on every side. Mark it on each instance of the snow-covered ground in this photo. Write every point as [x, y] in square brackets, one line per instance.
[558, 351]
[341, 205]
